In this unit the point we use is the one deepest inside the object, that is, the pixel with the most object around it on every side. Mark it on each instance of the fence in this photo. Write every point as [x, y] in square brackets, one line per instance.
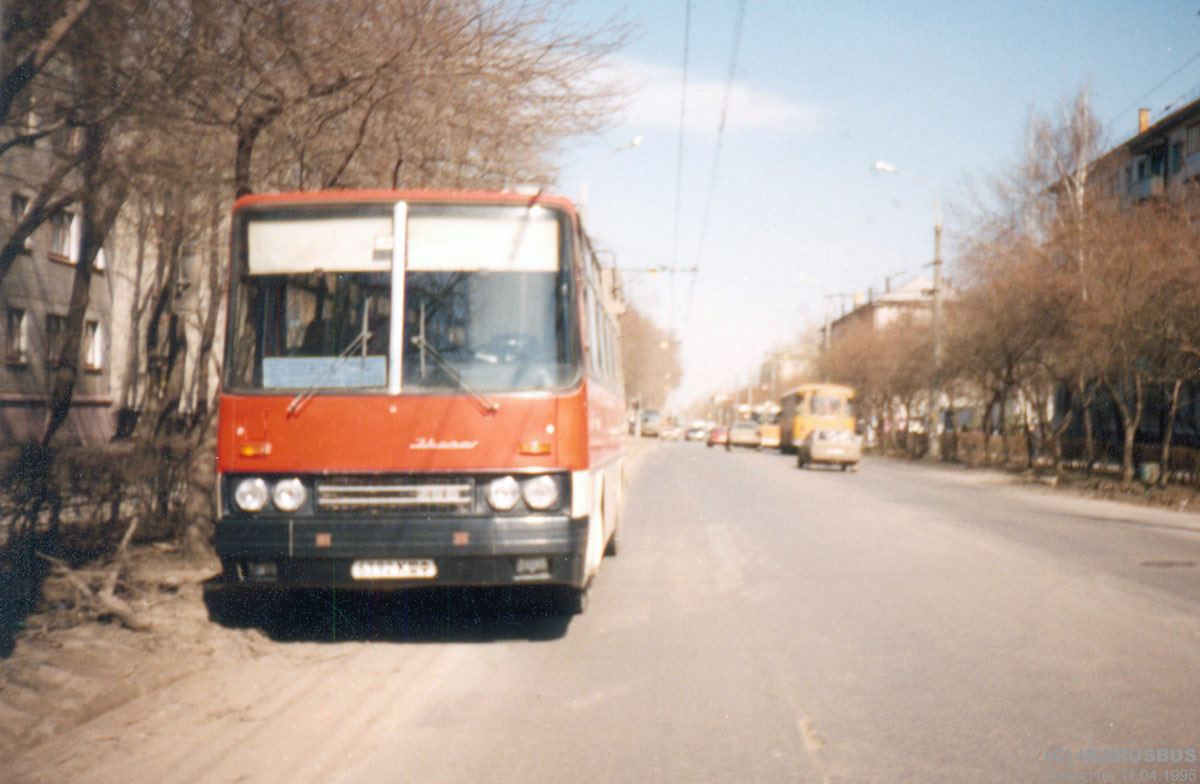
[979, 449]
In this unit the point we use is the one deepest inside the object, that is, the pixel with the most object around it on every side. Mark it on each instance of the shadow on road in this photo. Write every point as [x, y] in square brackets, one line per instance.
[425, 615]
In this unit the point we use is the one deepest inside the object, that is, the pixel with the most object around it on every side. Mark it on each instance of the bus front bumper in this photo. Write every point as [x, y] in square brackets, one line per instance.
[381, 554]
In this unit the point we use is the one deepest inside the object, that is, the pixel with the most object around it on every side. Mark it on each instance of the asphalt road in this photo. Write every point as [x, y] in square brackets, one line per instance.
[906, 623]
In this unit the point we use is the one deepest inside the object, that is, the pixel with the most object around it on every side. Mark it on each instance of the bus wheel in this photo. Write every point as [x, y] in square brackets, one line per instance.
[614, 545]
[233, 606]
[570, 600]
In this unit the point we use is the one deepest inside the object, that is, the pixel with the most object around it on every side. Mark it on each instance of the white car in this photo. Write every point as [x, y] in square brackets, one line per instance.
[670, 432]
[745, 433]
[830, 446]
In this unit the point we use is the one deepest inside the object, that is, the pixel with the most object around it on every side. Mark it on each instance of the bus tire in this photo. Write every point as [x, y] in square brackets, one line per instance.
[614, 545]
[569, 600]
[234, 607]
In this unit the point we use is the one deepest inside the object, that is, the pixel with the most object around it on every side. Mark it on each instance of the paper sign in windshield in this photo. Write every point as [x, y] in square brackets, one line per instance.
[324, 372]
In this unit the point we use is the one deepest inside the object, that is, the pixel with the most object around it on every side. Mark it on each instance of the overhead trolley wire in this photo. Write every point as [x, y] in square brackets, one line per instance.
[687, 29]
[712, 179]
[687, 26]
[1146, 94]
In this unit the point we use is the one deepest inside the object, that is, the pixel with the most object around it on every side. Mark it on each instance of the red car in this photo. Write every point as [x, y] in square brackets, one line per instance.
[718, 435]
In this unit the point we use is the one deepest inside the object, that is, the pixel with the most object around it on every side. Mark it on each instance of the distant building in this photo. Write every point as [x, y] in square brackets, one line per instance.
[914, 299]
[1159, 160]
[34, 298]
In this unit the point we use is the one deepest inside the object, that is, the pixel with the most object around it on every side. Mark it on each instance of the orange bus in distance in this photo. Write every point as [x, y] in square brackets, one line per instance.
[420, 388]
[810, 406]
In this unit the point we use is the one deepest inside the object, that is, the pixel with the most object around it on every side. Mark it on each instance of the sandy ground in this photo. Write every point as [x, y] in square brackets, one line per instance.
[64, 672]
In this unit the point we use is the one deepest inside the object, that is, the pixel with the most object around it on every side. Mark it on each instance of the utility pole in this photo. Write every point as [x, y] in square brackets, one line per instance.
[936, 294]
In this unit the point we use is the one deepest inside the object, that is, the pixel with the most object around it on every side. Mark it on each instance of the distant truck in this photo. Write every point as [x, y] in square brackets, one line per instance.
[651, 422]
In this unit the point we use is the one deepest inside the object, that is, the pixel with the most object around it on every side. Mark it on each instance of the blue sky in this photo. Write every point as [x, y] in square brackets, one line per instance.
[821, 90]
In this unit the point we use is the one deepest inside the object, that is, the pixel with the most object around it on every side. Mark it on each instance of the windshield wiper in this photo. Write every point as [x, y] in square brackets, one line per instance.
[427, 348]
[310, 391]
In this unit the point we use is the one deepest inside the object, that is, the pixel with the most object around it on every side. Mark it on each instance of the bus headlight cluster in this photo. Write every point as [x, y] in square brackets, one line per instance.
[288, 495]
[251, 495]
[540, 493]
[503, 494]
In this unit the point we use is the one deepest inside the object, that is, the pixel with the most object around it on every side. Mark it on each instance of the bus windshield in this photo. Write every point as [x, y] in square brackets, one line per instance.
[828, 405]
[485, 292]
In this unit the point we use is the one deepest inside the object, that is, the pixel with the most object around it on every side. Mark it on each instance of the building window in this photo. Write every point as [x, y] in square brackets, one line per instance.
[16, 337]
[1158, 160]
[1176, 157]
[60, 235]
[56, 338]
[1193, 139]
[93, 346]
[18, 206]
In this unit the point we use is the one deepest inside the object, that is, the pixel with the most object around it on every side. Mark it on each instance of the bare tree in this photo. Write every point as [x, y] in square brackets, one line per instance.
[453, 93]
[650, 356]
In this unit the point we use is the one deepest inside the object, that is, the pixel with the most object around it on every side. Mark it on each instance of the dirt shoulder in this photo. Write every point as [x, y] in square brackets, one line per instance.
[1100, 485]
[65, 671]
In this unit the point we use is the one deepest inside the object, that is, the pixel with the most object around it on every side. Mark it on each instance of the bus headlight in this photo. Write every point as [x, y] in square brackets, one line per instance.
[502, 494]
[251, 495]
[289, 495]
[541, 492]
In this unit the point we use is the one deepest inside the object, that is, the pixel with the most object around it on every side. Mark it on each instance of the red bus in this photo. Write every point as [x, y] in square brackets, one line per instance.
[420, 388]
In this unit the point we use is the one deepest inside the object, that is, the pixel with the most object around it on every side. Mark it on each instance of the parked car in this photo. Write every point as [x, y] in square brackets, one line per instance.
[745, 433]
[718, 436]
[670, 431]
[830, 446]
[768, 435]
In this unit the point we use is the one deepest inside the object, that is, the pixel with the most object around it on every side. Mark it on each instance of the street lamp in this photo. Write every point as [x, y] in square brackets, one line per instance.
[888, 168]
[583, 185]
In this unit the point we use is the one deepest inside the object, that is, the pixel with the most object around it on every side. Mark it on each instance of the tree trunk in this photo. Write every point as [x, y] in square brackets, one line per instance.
[1131, 418]
[66, 374]
[247, 135]
[1056, 434]
[1087, 393]
[216, 289]
[1003, 404]
[1168, 432]
[99, 206]
[985, 429]
[1028, 436]
[130, 384]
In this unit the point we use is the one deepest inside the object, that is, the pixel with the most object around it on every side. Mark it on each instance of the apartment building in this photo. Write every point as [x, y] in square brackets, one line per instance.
[913, 299]
[34, 298]
[1158, 160]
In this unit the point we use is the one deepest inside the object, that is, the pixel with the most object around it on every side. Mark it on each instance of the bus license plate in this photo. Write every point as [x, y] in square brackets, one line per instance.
[406, 569]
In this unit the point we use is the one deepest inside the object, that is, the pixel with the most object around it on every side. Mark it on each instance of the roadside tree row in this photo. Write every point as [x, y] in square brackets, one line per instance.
[1068, 300]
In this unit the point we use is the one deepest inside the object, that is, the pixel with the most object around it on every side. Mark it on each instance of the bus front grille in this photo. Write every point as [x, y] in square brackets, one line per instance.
[405, 495]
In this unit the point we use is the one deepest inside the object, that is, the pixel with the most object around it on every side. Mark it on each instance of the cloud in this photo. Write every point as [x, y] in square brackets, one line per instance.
[655, 102]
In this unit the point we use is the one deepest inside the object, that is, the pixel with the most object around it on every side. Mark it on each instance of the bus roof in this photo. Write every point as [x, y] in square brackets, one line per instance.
[836, 389]
[383, 195]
